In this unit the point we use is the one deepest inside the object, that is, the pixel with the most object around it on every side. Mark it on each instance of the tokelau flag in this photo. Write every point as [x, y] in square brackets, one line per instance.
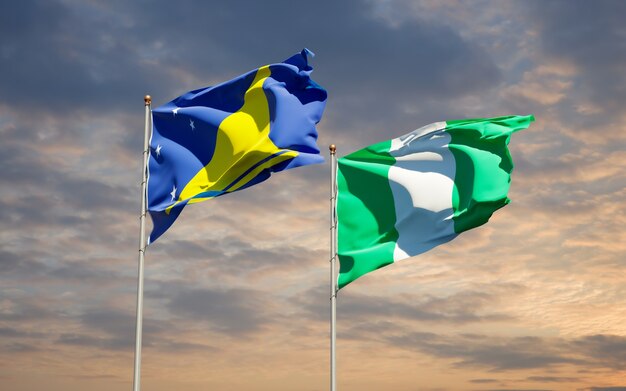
[220, 139]
[402, 197]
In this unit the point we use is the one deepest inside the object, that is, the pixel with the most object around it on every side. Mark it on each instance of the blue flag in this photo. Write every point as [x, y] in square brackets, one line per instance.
[224, 138]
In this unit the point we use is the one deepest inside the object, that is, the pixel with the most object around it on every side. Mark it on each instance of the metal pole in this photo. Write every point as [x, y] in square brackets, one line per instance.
[333, 273]
[142, 245]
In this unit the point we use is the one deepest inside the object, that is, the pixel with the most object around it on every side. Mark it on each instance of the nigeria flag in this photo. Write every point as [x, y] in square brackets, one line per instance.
[402, 197]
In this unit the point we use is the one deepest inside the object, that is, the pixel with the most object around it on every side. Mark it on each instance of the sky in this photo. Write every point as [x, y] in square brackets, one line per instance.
[236, 292]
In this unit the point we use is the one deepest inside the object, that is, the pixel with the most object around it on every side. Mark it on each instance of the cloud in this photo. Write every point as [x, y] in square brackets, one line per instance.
[460, 308]
[233, 255]
[517, 389]
[60, 56]
[553, 379]
[9, 332]
[596, 51]
[463, 307]
[18, 347]
[105, 328]
[114, 330]
[484, 381]
[532, 300]
[236, 312]
[607, 350]
[11, 263]
[102, 62]
[518, 353]
[545, 85]
[91, 342]
[24, 310]
[494, 353]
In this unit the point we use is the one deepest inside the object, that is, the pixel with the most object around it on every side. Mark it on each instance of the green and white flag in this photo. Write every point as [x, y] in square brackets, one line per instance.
[402, 197]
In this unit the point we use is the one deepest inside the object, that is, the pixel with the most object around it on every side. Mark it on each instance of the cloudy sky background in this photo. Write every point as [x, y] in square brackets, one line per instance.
[236, 292]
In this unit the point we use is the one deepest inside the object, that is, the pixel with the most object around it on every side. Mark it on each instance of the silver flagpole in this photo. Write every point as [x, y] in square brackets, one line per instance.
[333, 272]
[142, 245]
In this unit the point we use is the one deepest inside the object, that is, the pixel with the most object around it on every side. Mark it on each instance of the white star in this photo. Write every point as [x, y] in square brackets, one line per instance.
[175, 111]
[193, 127]
[173, 193]
[158, 150]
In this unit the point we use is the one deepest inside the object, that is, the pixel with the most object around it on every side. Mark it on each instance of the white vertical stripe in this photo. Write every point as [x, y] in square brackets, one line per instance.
[422, 181]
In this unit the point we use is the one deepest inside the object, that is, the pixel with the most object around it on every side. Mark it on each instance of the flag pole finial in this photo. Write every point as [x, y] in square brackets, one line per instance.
[147, 99]
[332, 148]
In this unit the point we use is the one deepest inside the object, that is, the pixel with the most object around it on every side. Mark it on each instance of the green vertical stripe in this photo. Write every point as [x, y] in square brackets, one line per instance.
[365, 211]
[483, 167]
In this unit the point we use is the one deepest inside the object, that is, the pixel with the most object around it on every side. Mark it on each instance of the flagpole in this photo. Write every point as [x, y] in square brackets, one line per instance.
[142, 245]
[333, 273]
